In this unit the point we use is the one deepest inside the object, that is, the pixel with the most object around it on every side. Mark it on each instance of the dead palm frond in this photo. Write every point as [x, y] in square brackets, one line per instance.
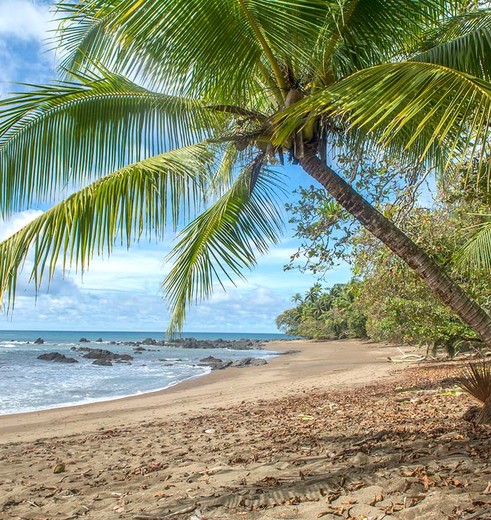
[476, 380]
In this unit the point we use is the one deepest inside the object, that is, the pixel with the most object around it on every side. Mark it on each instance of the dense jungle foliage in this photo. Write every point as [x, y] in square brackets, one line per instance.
[386, 300]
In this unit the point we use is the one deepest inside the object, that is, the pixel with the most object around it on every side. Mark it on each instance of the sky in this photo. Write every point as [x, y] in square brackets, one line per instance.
[123, 292]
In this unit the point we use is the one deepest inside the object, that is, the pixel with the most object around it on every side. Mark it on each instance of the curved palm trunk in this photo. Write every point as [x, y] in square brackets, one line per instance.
[434, 276]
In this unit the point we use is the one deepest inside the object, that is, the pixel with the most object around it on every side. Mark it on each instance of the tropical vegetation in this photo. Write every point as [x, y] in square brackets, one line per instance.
[325, 314]
[395, 304]
[174, 112]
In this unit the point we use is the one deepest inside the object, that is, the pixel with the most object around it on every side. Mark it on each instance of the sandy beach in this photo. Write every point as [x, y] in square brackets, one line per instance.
[315, 366]
[332, 431]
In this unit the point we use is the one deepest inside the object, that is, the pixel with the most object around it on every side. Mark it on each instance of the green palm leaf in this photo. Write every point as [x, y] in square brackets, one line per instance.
[223, 240]
[388, 25]
[462, 43]
[140, 199]
[476, 252]
[416, 107]
[170, 48]
[69, 133]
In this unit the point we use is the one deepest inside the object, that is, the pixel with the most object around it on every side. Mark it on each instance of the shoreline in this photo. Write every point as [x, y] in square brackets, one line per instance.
[104, 399]
[335, 430]
[68, 365]
[283, 375]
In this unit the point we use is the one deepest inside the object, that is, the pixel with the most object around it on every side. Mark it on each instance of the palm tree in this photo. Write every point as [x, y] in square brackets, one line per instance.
[168, 105]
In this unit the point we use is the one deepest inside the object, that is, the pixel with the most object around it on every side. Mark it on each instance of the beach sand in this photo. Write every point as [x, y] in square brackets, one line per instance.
[333, 431]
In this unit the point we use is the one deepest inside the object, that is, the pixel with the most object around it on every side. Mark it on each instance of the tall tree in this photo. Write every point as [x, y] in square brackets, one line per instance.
[167, 104]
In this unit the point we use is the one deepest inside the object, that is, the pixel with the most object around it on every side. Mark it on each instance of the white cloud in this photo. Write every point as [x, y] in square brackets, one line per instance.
[25, 20]
[18, 221]
[25, 28]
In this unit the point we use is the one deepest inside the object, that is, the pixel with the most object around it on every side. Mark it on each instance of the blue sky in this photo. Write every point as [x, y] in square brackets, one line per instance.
[123, 292]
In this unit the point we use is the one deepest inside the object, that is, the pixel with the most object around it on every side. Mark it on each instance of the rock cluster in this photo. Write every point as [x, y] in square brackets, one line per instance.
[219, 364]
[57, 358]
[235, 344]
[103, 357]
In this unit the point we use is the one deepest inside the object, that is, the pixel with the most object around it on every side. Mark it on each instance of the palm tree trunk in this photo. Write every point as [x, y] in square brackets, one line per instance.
[439, 283]
[484, 414]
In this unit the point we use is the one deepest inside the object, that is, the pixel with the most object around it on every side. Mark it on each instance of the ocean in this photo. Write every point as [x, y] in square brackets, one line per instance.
[30, 384]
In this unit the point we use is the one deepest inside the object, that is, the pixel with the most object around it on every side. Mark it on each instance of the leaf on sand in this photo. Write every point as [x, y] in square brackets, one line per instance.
[304, 417]
[59, 468]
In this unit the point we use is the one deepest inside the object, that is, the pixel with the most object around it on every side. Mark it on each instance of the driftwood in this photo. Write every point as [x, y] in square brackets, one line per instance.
[406, 358]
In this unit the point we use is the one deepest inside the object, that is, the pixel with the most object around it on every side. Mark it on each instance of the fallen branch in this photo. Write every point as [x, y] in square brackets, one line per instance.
[477, 515]
[167, 517]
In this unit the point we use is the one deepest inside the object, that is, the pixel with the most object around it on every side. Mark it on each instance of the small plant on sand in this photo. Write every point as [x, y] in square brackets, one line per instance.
[476, 380]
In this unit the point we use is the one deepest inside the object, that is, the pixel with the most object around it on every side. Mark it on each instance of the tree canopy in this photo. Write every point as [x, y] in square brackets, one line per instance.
[172, 111]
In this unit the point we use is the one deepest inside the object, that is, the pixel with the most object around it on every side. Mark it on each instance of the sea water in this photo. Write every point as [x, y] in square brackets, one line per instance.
[29, 384]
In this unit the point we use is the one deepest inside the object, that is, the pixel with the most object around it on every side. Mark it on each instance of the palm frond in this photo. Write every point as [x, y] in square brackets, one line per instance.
[71, 133]
[81, 35]
[181, 45]
[476, 252]
[140, 199]
[418, 107]
[476, 380]
[223, 241]
[388, 25]
[462, 43]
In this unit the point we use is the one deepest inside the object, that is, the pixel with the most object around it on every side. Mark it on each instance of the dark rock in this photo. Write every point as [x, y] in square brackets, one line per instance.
[57, 358]
[149, 341]
[103, 362]
[249, 362]
[39, 341]
[139, 349]
[104, 355]
[210, 359]
[218, 366]
[100, 340]
[84, 340]
[215, 363]
[225, 364]
[257, 362]
[97, 353]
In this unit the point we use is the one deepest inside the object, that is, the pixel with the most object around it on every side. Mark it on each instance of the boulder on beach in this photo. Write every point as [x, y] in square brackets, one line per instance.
[218, 364]
[210, 359]
[57, 358]
[84, 340]
[215, 363]
[249, 362]
[39, 341]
